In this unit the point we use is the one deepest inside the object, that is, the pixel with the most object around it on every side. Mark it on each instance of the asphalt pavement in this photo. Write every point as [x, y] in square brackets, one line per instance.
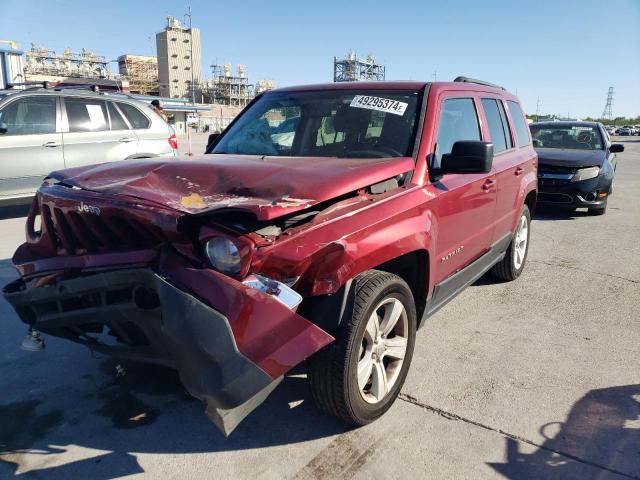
[198, 144]
[537, 378]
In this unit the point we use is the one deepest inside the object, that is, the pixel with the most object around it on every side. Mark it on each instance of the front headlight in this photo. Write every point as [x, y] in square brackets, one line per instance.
[586, 174]
[223, 255]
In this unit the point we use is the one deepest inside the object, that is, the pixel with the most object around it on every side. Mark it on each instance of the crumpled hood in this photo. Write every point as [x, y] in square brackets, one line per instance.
[267, 186]
[558, 157]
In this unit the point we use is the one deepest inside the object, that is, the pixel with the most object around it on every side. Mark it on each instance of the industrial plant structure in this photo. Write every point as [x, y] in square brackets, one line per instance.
[353, 69]
[227, 88]
[263, 86]
[142, 73]
[178, 50]
[83, 64]
[70, 68]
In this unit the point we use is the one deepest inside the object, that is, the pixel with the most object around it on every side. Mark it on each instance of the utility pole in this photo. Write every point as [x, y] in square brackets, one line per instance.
[607, 113]
[435, 75]
[193, 92]
[193, 95]
[537, 108]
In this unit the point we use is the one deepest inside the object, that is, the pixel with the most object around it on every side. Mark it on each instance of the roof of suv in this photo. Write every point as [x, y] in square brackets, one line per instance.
[398, 85]
[69, 92]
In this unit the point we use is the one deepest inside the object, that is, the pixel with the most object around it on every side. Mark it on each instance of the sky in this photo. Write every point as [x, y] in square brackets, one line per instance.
[558, 56]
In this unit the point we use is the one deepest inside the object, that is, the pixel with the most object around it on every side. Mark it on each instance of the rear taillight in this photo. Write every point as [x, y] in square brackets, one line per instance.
[173, 141]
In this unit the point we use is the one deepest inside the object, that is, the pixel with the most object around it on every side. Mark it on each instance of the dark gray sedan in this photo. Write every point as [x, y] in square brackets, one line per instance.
[576, 166]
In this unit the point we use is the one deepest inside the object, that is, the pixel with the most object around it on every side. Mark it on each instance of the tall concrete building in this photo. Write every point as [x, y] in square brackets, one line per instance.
[178, 51]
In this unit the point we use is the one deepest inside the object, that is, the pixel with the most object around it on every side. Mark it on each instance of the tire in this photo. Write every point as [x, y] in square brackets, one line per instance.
[512, 265]
[333, 372]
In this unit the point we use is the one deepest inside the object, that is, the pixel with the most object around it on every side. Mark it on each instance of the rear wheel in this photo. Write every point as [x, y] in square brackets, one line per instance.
[511, 266]
[358, 377]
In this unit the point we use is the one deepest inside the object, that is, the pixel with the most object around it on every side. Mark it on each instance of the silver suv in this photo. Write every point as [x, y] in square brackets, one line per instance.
[46, 129]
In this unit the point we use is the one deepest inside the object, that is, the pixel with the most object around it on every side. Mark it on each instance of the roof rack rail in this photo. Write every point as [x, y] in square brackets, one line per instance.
[479, 82]
[29, 85]
[80, 86]
[122, 94]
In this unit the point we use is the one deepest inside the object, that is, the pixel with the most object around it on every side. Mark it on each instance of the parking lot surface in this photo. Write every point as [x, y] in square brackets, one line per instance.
[538, 378]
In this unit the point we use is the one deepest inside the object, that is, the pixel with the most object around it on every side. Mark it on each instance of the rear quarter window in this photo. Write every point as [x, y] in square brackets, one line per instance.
[519, 123]
[117, 122]
[136, 118]
[498, 130]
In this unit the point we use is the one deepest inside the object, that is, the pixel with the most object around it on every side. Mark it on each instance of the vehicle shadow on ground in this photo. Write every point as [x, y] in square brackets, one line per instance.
[143, 409]
[601, 434]
[550, 213]
[14, 211]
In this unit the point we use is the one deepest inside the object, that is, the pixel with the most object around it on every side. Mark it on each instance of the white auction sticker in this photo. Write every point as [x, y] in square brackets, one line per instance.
[379, 103]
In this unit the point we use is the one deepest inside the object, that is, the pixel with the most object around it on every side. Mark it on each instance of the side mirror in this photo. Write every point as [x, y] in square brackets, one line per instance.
[213, 138]
[467, 156]
[614, 148]
[3, 128]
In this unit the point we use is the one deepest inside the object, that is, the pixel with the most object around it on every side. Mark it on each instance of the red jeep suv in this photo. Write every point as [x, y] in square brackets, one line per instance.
[326, 222]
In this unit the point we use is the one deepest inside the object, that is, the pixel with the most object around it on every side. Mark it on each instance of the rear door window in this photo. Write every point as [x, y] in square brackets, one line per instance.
[30, 115]
[86, 114]
[136, 118]
[505, 121]
[458, 121]
[117, 122]
[497, 129]
[522, 131]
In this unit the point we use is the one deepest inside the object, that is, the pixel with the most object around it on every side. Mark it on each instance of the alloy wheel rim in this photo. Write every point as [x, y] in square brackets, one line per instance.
[382, 350]
[521, 241]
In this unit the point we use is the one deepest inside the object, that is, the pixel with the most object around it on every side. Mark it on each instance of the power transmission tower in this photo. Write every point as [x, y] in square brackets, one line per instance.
[608, 114]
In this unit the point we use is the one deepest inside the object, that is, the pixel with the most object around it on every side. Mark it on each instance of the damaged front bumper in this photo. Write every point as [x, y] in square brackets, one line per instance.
[230, 344]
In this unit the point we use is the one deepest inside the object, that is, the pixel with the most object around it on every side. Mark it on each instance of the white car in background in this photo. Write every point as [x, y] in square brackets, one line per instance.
[46, 129]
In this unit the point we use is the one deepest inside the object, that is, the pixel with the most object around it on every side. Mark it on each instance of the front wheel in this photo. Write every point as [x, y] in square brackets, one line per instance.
[358, 377]
[512, 265]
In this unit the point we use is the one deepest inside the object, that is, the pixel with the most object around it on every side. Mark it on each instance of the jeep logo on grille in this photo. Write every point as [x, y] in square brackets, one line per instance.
[83, 207]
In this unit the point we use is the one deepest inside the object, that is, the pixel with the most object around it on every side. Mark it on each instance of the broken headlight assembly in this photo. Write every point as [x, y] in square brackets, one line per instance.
[278, 290]
[224, 256]
[232, 257]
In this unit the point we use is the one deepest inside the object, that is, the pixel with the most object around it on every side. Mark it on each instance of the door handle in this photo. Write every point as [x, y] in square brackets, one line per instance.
[488, 185]
[51, 144]
[126, 139]
[519, 171]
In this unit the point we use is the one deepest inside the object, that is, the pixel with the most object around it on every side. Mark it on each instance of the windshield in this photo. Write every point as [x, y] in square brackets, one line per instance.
[355, 124]
[573, 137]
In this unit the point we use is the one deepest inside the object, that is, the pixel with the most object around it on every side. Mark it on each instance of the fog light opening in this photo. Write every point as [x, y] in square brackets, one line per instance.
[590, 197]
[145, 298]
